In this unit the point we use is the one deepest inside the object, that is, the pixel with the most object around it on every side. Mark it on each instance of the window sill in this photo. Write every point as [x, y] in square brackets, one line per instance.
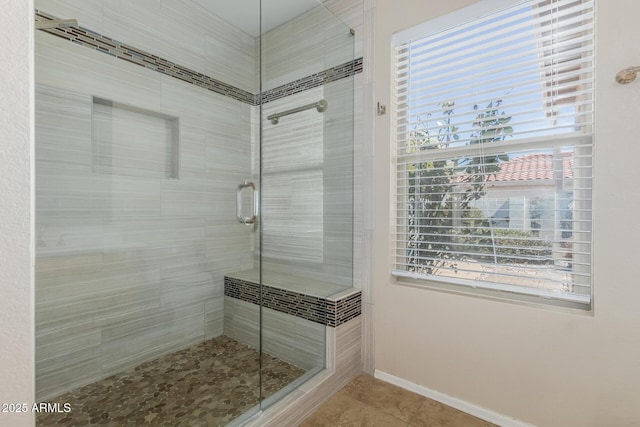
[503, 293]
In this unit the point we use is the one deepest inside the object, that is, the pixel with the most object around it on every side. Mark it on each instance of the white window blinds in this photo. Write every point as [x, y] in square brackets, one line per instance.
[493, 128]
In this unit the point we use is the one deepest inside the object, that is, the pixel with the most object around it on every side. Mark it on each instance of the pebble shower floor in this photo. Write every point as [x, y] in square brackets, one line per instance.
[208, 384]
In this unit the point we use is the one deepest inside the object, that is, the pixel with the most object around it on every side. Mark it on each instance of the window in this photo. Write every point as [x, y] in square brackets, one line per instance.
[493, 118]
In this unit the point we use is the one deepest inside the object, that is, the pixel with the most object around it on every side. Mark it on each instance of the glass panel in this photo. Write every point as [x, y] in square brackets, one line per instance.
[519, 226]
[307, 184]
[144, 131]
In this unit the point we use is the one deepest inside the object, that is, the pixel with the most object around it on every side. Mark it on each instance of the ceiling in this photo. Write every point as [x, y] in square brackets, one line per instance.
[245, 14]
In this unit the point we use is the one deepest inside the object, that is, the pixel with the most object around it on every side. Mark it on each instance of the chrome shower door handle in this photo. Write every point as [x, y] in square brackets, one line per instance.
[247, 220]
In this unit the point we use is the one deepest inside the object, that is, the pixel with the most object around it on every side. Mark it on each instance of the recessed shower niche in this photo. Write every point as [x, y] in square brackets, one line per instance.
[128, 140]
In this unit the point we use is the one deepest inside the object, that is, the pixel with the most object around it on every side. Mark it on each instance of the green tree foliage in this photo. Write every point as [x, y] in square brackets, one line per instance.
[442, 222]
[535, 213]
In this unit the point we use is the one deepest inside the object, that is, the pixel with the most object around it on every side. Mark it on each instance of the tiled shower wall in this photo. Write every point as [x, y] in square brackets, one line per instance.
[314, 41]
[132, 251]
[307, 182]
[178, 30]
[130, 258]
[308, 157]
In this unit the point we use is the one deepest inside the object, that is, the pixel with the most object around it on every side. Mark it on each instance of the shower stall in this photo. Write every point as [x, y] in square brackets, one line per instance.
[194, 205]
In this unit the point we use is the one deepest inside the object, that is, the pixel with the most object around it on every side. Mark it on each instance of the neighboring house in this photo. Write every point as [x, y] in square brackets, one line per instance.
[534, 193]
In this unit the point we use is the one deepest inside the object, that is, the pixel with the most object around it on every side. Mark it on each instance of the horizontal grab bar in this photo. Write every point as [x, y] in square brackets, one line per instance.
[321, 106]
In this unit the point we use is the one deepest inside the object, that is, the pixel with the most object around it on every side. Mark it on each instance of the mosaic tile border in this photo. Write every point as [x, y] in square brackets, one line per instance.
[104, 44]
[95, 41]
[320, 310]
[344, 309]
[327, 76]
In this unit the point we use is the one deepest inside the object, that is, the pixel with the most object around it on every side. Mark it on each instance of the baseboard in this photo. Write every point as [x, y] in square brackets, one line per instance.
[459, 404]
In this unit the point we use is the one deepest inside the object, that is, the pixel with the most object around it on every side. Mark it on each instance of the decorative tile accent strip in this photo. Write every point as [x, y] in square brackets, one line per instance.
[104, 44]
[316, 309]
[344, 309]
[242, 290]
[318, 79]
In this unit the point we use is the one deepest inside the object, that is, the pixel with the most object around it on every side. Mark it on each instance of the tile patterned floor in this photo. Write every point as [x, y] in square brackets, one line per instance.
[208, 384]
[369, 402]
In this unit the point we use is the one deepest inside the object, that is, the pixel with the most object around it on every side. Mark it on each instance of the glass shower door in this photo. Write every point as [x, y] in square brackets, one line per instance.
[306, 146]
[144, 131]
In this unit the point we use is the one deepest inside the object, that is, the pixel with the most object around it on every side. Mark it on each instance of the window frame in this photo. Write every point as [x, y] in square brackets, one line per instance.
[509, 292]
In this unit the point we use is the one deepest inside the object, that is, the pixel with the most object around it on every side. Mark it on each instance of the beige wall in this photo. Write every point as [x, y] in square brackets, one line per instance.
[538, 365]
[16, 258]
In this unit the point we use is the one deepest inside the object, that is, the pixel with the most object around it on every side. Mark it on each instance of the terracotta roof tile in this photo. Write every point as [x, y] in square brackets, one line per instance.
[532, 167]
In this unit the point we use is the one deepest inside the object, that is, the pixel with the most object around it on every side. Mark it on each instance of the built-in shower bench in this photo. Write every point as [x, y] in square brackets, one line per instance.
[318, 301]
[309, 323]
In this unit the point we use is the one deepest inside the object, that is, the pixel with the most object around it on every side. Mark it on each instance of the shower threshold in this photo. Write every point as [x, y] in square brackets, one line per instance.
[207, 384]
